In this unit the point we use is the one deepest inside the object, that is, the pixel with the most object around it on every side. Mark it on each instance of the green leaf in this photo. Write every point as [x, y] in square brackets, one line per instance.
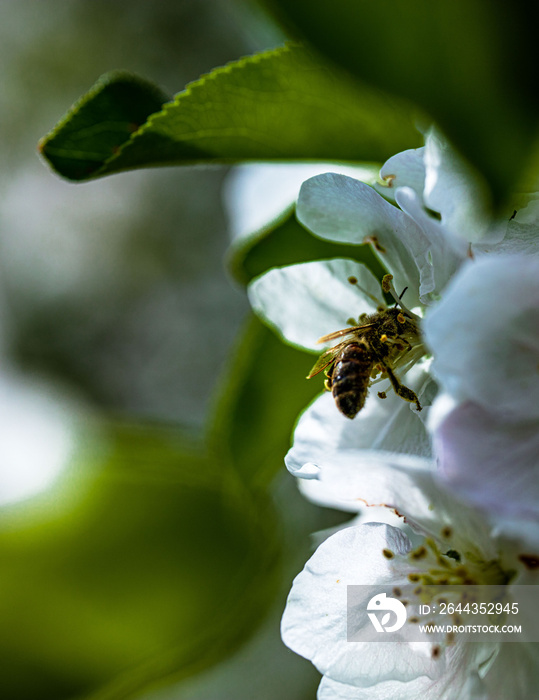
[288, 242]
[279, 105]
[259, 405]
[165, 564]
[471, 64]
[100, 123]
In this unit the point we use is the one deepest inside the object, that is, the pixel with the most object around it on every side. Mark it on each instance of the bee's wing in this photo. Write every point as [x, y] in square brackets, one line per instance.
[325, 359]
[343, 332]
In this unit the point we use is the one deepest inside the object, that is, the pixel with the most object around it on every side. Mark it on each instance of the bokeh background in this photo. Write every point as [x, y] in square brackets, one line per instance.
[134, 563]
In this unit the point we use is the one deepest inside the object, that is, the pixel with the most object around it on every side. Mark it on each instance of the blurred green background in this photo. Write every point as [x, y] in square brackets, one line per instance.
[146, 547]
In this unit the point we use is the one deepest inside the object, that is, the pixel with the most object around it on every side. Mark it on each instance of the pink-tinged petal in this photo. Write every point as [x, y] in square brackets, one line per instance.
[490, 461]
[304, 302]
[484, 335]
[341, 209]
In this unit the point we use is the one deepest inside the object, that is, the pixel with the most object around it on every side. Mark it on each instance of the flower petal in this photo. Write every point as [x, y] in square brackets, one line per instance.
[522, 238]
[391, 425]
[382, 457]
[515, 673]
[489, 461]
[456, 192]
[342, 209]
[460, 682]
[445, 254]
[405, 169]
[304, 302]
[484, 335]
[354, 478]
[256, 194]
[315, 619]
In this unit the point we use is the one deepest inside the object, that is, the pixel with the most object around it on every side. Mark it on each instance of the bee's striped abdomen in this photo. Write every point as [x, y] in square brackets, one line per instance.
[350, 378]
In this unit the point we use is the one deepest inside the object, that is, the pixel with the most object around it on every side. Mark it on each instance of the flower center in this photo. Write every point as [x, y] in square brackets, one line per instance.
[438, 565]
[451, 568]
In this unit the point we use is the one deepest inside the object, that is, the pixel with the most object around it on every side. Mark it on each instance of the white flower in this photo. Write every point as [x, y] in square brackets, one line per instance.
[468, 333]
[458, 545]
[421, 251]
[484, 336]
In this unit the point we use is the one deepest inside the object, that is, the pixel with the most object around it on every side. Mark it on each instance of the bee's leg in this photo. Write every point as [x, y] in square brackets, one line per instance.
[401, 390]
[328, 383]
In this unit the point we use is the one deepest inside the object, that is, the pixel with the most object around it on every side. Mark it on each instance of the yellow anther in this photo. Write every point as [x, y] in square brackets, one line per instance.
[419, 553]
[386, 283]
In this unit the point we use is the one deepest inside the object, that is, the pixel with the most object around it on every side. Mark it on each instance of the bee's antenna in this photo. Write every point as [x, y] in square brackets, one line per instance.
[387, 286]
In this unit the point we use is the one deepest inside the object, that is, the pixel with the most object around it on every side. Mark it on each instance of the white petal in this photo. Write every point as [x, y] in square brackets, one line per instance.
[517, 537]
[520, 239]
[490, 462]
[445, 252]
[462, 681]
[484, 335]
[405, 169]
[304, 302]
[354, 479]
[315, 619]
[515, 673]
[342, 209]
[257, 194]
[457, 193]
[527, 209]
[389, 424]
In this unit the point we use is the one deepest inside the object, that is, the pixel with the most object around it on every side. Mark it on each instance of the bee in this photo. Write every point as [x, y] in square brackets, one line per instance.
[371, 351]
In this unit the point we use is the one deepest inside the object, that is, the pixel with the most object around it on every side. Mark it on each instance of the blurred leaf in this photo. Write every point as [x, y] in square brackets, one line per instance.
[100, 123]
[278, 105]
[163, 569]
[266, 391]
[470, 63]
[288, 242]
